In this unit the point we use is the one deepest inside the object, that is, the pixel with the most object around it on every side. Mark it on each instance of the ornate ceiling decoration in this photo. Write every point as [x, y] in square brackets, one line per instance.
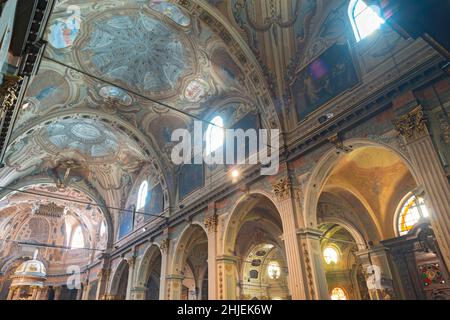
[32, 217]
[73, 128]
[137, 50]
[86, 136]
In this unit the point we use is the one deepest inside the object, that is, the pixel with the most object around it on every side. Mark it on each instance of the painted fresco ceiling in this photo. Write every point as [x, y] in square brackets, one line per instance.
[17, 224]
[89, 118]
[376, 175]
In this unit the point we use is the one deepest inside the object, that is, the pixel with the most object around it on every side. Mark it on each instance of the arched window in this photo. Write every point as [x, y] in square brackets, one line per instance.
[77, 239]
[214, 135]
[68, 232]
[142, 195]
[338, 294]
[274, 270]
[330, 255]
[412, 210]
[364, 19]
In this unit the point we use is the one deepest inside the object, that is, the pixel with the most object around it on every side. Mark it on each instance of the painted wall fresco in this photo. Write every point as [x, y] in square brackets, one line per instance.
[154, 201]
[190, 178]
[125, 223]
[249, 121]
[64, 31]
[323, 79]
[170, 10]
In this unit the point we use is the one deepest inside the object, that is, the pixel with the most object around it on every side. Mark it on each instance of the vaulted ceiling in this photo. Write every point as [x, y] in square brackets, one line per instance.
[117, 77]
[105, 63]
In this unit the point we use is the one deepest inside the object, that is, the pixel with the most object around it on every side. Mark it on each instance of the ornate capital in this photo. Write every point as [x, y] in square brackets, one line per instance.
[412, 125]
[336, 139]
[103, 274]
[131, 260]
[164, 245]
[8, 91]
[282, 189]
[211, 223]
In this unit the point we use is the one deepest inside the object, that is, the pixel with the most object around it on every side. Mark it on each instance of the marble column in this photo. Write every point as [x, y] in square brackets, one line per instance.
[311, 253]
[174, 286]
[413, 127]
[211, 227]
[227, 280]
[378, 271]
[283, 192]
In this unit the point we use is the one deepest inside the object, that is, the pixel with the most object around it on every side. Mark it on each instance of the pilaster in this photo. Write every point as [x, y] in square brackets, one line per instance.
[311, 253]
[284, 195]
[413, 128]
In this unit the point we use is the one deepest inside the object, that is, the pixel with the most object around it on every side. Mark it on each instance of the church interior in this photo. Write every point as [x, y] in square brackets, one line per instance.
[93, 207]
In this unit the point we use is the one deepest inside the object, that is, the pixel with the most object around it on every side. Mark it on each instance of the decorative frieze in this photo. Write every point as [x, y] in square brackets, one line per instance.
[50, 210]
[412, 125]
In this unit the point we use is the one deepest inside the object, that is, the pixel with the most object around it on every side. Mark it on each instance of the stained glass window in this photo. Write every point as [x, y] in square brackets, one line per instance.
[338, 294]
[142, 195]
[412, 211]
[330, 255]
[364, 19]
[214, 135]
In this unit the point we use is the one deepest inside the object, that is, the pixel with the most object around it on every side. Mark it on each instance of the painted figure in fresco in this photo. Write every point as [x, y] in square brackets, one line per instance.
[63, 32]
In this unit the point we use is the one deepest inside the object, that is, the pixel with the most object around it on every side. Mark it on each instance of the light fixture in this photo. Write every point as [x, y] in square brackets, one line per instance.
[235, 173]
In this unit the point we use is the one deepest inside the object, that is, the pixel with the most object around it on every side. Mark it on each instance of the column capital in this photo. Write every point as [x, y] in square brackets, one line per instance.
[412, 125]
[131, 260]
[378, 248]
[211, 223]
[164, 245]
[8, 90]
[138, 289]
[226, 258]
[103, 273]
[310, 233]
[174, 277]
[338, 142]
[282, 189]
